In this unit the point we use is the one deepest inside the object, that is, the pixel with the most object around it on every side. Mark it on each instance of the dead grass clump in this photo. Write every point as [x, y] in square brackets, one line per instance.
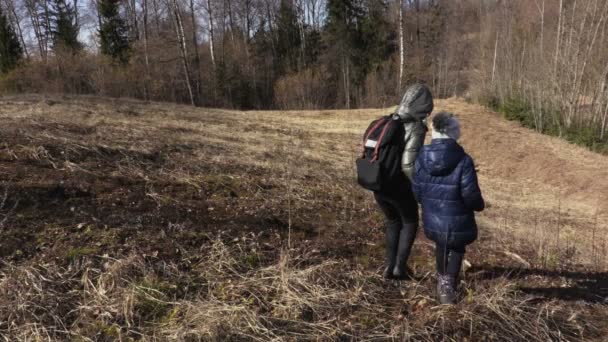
[282, 299]
[501, 313]
[36, 302]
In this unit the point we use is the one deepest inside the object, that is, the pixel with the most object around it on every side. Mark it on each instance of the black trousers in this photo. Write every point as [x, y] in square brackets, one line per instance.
[401, 207]
[401, 220]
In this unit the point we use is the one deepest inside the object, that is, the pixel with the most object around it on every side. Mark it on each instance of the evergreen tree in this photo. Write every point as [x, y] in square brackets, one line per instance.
[377, 37]
[65, 30]
[113, 32]
[10, 48]
[343, 40]
[288, 37]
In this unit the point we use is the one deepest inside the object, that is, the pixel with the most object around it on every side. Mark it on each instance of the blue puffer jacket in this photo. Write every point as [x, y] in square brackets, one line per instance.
[445, 183]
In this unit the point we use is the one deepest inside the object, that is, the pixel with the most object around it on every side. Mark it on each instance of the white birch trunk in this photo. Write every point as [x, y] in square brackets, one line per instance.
[557, 46]
[181, 42]
[211, 38]
[494, 63]
[197, 58]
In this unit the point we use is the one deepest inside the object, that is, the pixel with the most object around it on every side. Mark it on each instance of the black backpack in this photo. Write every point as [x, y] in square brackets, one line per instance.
[379, 167]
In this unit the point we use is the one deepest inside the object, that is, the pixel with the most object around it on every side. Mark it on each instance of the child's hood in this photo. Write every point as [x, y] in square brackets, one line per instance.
[441, 157]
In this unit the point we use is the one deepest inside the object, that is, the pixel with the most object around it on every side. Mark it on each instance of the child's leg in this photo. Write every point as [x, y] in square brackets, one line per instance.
[445, 281]
[455, 258]
[441, 257]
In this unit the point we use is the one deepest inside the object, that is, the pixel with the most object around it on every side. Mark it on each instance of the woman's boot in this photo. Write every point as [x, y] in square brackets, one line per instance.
[404, 249]
[391, 243]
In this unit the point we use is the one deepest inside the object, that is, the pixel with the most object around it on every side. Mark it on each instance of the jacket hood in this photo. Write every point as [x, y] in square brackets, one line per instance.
[416, 103]
[442, 156]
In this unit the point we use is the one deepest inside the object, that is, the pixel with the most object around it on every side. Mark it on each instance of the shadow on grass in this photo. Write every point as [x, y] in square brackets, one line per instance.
[591, 287]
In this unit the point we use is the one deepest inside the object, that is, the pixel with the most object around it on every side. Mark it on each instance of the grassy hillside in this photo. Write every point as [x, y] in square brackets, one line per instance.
[124, 220]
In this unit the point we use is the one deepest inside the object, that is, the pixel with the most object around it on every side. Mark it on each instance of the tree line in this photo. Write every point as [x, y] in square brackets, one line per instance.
[542, 62]
[227, 53]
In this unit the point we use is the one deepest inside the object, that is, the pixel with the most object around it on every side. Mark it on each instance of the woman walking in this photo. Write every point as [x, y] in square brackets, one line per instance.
[397, 202]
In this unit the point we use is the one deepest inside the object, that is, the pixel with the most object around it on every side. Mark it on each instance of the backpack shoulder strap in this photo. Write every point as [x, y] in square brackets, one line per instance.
[373, 127]
[384, 129]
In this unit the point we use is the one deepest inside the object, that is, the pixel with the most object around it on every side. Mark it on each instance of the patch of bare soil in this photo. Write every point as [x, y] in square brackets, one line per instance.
[125, 220]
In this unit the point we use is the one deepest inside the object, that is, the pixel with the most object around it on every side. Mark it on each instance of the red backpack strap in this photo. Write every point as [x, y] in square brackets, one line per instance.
[376, 126]
[388, 123]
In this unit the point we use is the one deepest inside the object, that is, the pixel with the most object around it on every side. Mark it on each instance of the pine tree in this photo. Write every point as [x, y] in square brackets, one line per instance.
[288, 37]
[113, 31]
[343, 39]
[10, 48]
[64, 29]
[377, 37]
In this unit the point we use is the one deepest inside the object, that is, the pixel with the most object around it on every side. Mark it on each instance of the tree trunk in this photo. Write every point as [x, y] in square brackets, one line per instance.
[494, 63]
[211, 50]
[37, 26]
[557, 47]
[302, 36]
[346, 77]
[541, 11]
[604, 123]
[181, 43]
[231, 21]
[270, 27]
[401, 48]
[156, 16]
[197, 58]
[47, 17]
[132, 18]
[146, 52]
[247, 20]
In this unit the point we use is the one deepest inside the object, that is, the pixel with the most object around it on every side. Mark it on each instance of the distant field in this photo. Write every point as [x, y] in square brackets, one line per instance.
[127, 220]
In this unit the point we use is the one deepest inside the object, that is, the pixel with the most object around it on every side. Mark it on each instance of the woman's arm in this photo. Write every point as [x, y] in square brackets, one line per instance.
[414, 139]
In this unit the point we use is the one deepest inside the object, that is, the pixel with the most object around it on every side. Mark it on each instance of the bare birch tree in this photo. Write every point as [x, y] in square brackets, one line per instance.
[181, 44]
[211, 36]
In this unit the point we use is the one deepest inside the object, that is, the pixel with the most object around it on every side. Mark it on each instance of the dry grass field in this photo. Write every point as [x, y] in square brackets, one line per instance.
[124, 221]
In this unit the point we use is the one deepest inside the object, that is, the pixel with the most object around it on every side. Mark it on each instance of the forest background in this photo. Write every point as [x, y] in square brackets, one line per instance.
[541, 62]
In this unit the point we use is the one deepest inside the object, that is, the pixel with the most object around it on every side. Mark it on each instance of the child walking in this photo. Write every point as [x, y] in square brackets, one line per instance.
[445, 184]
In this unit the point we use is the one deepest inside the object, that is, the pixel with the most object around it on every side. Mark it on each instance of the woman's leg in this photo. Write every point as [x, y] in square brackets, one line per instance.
[408, 211]
[407, 235]
[393, 226]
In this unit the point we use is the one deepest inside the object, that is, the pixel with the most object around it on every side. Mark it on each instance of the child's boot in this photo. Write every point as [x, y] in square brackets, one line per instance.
[445, 288]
